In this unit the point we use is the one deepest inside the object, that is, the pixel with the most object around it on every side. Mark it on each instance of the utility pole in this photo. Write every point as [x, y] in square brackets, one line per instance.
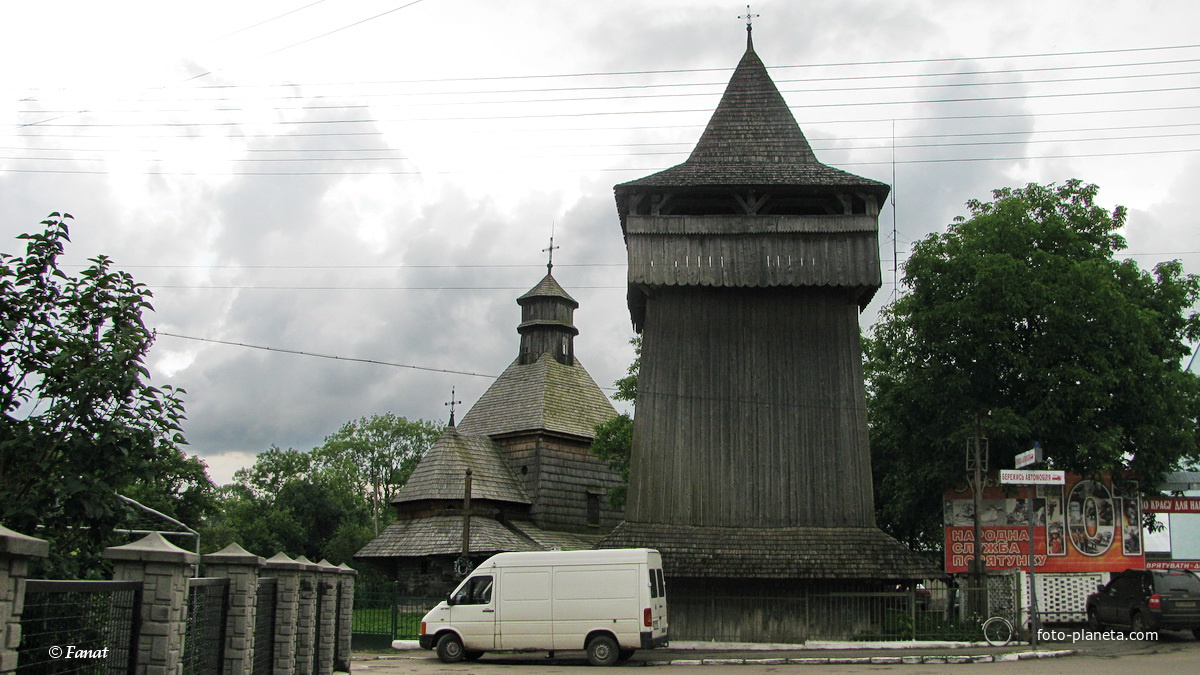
[977, 468]
[466, 510]
[463, 565]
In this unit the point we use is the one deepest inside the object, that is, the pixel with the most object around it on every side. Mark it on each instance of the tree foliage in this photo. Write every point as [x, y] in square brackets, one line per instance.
[613, 439]
[327, 502]
[1022, 313]
[79, 420]
[377, 454]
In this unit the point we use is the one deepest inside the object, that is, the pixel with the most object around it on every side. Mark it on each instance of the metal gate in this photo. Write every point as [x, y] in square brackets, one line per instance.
[204, 643]
[264, 626]
[80, 627]
[382, 615]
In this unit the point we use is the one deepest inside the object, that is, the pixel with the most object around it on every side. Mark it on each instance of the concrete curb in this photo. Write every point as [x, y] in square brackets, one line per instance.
[905, 659]
[869, 660]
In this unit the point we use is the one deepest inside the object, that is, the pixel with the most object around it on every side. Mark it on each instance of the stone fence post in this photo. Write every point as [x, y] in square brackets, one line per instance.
[241, 568]
[15, 551]
[163, 568]
[287, 603]
[345, 627]
[306, 622]
[327, 583]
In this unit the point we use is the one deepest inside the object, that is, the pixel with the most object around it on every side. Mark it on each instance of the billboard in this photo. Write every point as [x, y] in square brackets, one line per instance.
[1083, 525]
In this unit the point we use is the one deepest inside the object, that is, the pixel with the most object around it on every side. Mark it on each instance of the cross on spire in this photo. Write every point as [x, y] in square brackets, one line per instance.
[452, 403]
[749, 18]
[550, 249]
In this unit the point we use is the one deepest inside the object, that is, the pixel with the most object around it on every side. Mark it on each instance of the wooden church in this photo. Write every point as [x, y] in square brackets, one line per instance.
[749, 264]
[534, 483]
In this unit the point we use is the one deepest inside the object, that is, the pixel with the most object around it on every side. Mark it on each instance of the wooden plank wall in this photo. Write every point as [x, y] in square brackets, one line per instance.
[751, 411]
[560, 475]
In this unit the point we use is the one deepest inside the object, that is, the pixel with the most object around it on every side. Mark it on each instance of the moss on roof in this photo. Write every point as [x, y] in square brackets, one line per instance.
[545, 395]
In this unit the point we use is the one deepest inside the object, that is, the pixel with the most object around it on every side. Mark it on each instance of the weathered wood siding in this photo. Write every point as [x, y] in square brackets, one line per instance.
[761, 251]
[559, 474]
[784, 612]
[751, 411]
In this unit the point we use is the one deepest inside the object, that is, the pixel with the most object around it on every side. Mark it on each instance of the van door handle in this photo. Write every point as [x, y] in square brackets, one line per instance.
[488, 610]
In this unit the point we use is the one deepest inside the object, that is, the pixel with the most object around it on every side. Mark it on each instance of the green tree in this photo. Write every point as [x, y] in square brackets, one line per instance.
[79, 420]
[272, 469]
[180, 488]
[613, 440]
[376, 455]
[1022, 314]
[327, 502]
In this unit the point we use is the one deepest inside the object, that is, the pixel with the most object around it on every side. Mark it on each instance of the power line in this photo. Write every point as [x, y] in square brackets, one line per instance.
[374, 93]
[607, 113]
[659, 127]
[836, 148]
[281, 49]
[143, 109]
[901, 235]
[251, 287]
[263, 22]
[372, 267]
[308, 40]
[396, 172]
[672, 71]
[325, 356]
[662, 394]
[687, 144]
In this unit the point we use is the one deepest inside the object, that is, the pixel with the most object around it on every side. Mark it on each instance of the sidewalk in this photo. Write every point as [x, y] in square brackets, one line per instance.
[683, 653]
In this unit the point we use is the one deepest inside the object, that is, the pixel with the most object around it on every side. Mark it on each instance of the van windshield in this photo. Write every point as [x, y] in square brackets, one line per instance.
[477, 591]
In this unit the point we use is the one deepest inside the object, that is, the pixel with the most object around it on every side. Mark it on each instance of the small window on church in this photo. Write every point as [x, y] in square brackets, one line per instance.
[593, 508]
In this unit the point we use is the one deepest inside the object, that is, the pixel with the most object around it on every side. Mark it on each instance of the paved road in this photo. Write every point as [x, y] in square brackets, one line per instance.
[1173, 653]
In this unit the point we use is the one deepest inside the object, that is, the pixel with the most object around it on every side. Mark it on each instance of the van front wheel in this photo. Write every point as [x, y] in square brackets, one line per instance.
[602, 651]
[450, 648]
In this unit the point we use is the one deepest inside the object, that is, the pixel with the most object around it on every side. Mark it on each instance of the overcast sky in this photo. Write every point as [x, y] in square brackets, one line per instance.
[377, 179]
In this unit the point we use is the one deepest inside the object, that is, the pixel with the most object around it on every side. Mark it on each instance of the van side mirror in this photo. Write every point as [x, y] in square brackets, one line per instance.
[450, 598]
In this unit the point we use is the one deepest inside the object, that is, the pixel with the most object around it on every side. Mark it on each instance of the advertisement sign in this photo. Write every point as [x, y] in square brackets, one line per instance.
[1029, 457]
[1172, 505]
[1019, 477]
[1079, 526]
[1193, 565]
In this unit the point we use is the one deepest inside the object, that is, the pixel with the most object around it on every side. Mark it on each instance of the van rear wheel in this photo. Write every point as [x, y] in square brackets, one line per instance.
[450, 648]
[602, 651]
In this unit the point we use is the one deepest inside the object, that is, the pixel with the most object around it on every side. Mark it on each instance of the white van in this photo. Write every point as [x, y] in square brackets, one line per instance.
[607, 602]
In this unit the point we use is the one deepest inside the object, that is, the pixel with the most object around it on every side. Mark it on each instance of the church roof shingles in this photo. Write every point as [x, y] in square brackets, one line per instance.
[549, 287]
[544, 395]
[440, 475]
[442, 535]
[752, 139]
[775, 552]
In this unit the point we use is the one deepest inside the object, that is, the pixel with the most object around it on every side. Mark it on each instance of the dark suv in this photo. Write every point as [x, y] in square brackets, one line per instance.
[1147, 600]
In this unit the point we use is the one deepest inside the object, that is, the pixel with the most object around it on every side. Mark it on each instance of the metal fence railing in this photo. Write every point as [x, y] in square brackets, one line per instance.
[79, 627]
[204, 644]
[382, 614]
[907, 614]
[339, 655]
[264, 626]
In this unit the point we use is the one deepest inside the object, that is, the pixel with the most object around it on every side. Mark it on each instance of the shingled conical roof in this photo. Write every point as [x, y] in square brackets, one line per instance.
[549, 287]
[545, 395]
[442, 470]
[753, 139]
